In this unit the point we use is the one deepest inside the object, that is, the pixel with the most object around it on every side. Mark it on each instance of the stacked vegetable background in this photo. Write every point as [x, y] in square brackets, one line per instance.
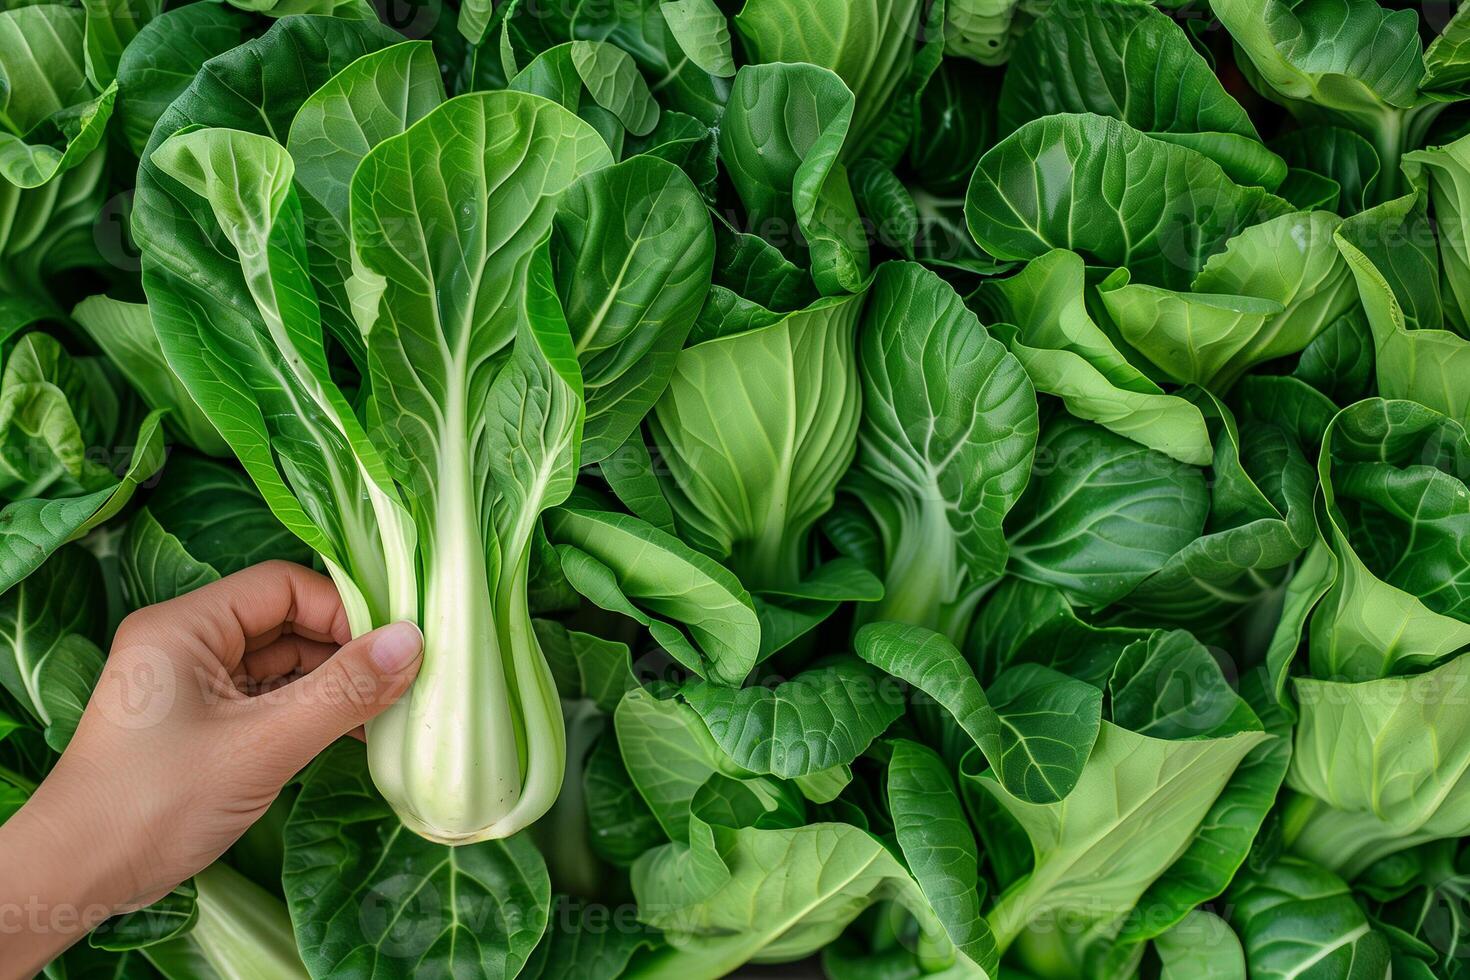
[973, 488]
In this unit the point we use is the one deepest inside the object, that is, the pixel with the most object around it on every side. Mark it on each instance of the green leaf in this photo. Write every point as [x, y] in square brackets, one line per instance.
[1358, 64]
[870, 48]
[377, 96]
[939, 847]
[217, 514]
[111, 27]
[368, 895]
[1393, 479]
[1399, 285]
[263, 372]
[1193, 338]
[946, 443]
[1339, 360]
[163, 57]
[702, 32]
[1447, 59]
[1133, 63]
[755, 429]
[49, 661]
[784, 894]
[1069, 356]
[630, 476]
[585, 666]
[956, 124]
[1274, 288]
[1200, 945]
[1294, 917]
[633, 251]
[669, 754]
[579, 942]
[1104, 516]
[1338, 154]
[1025, 622]
[1172, 207]
[155, 566]
[124, 332]
[882, 198]
[1443, 174]
[1260, 509]
[1226, 834]
[823, 717]
[625, 565]
[1308, 191]
[35, 527]
[780, 142]
[56, 415]
[218, 358]
[1049, 722]
[51, 117]
[788, 613]
[1036, 740]
[168, 918]
[612, 78]
[623, 826]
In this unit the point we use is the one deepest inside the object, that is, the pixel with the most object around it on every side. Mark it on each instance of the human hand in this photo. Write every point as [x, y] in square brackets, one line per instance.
[208, 705]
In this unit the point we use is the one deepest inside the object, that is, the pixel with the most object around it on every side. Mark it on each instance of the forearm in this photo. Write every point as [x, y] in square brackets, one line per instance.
[63, 870]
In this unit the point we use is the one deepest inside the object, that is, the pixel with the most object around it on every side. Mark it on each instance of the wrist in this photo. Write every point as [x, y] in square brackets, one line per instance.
[62, 877]
[80, 829]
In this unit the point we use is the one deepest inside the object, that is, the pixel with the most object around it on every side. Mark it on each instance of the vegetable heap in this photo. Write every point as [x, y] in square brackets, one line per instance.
[969, 488]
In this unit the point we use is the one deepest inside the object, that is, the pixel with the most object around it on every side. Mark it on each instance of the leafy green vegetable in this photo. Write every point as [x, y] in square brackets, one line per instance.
[963, 490]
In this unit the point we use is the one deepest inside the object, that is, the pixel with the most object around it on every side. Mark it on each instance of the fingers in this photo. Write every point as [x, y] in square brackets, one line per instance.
[226, 616]
[353, 685]
[287, 655]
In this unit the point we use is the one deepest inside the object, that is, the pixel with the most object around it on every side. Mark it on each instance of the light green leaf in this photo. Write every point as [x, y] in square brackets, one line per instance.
[702, 32]
[1200, 945]
[1138, 804]
[655, 571]
[785, 894]
[1048, 329]
[1389, 760]
[755, 430]
[124, 331]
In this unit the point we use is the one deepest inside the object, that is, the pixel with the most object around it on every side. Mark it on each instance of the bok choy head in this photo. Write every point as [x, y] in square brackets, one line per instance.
[422, 491]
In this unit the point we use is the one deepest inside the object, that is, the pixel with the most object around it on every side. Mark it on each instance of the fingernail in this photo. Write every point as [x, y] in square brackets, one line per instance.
[395, 646]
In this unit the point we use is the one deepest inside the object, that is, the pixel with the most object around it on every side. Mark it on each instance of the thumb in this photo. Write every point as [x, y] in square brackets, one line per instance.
[355, 684]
